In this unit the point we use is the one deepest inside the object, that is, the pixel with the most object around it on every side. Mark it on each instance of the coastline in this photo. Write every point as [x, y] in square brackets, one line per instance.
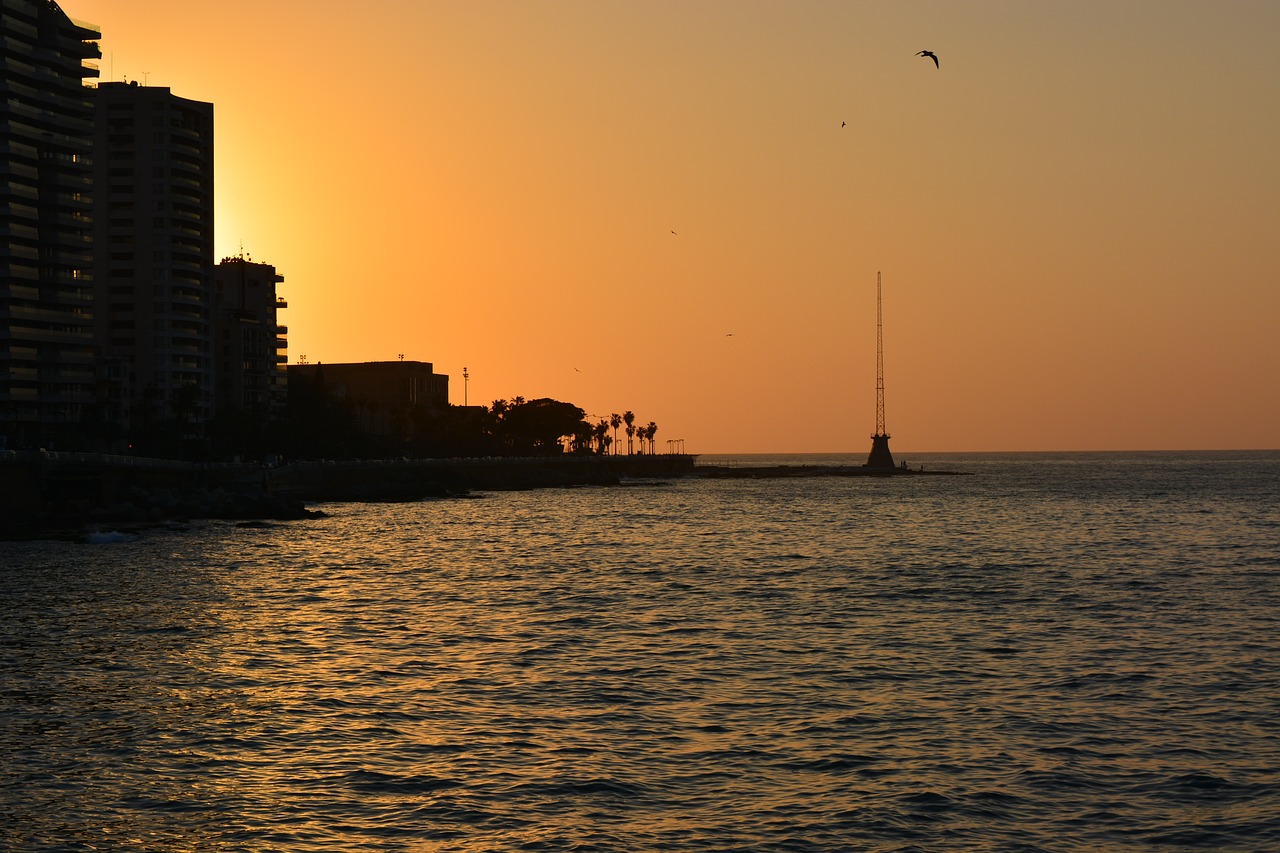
[44, 493]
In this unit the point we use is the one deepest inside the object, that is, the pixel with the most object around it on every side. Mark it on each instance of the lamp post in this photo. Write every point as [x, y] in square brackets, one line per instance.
[465, 377]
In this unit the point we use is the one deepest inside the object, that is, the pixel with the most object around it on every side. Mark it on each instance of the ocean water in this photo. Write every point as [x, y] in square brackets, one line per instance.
[1060, 652]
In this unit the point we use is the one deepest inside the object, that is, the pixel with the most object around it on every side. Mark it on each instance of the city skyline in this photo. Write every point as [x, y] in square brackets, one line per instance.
[681, 210]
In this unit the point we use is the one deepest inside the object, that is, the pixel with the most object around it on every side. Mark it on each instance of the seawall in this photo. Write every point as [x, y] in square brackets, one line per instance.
[41, 490]
[413, 479]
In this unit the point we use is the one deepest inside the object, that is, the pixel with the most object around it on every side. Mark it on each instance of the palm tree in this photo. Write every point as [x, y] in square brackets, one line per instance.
[629, 418]
[615, 421]
[602, 436]
[649, 432]
[582, 437]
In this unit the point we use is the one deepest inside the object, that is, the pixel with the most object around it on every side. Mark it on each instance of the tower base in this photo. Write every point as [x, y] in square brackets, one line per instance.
[880, 456]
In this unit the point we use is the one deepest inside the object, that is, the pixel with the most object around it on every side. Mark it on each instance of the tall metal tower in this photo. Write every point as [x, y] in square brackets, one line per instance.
[880, 456]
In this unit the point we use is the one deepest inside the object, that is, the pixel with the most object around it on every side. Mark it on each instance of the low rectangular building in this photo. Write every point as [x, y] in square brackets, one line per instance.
[384, 393]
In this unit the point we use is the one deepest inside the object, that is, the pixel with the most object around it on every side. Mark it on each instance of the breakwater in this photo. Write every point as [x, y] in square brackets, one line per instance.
[777, 472]
[41, 490]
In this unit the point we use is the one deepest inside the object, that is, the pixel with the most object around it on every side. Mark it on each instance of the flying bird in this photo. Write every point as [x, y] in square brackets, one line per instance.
[931, 55]
[842, 124]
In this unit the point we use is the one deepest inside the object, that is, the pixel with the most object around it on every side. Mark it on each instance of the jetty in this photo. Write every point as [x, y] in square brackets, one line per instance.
[773, 472]
[879, 462]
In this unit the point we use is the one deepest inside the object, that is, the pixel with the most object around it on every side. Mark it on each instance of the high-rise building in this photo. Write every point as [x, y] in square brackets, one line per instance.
[47, 370]
[153, 226]
[249, 344]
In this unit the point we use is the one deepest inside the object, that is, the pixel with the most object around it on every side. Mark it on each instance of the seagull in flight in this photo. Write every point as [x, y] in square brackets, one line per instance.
[931, 55]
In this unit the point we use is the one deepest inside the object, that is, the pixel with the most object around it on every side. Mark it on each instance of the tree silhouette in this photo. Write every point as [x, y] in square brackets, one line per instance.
[536, 427]
[581, 440]
[629, 418]
[602, 436]
[318, 425]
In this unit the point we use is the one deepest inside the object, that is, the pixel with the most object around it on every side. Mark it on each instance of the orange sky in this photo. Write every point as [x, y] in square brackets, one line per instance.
[1077, 215]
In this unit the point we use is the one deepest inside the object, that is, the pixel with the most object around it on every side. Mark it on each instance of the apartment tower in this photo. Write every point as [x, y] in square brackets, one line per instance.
[47, 371]
[153, 224]
[249, 345]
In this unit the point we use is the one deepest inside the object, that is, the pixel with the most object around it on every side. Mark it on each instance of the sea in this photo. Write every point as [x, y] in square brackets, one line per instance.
[1056, 652]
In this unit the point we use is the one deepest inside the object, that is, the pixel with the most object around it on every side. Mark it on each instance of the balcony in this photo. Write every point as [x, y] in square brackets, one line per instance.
[180, 298]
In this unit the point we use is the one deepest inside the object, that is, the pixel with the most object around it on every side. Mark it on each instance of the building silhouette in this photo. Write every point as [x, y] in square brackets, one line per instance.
[153, 270]
[250, 347]
[47, 368]
[385, 394]
[114, 319]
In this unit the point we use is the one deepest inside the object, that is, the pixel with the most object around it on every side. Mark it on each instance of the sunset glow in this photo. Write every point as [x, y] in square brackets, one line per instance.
[655, 206]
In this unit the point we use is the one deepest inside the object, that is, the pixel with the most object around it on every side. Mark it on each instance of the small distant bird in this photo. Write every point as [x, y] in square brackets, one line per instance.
[673, 232]
[728, 334]
[842, 124]
[931, 55]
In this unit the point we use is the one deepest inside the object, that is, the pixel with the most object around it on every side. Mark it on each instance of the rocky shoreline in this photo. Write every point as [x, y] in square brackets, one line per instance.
[49, 494]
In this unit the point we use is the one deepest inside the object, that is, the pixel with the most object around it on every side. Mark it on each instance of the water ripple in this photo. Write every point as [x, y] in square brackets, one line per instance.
[1078, 659]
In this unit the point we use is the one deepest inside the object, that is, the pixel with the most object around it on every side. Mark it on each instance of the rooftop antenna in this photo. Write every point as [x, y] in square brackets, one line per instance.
[880, 456]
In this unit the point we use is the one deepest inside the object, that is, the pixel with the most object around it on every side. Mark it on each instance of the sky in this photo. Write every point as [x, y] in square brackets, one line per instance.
[680, 208]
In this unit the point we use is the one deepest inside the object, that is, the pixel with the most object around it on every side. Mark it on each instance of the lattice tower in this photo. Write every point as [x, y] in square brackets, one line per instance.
[879, 363]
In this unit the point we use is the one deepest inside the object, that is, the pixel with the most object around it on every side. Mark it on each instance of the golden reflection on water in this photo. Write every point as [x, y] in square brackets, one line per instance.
[841, 663]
